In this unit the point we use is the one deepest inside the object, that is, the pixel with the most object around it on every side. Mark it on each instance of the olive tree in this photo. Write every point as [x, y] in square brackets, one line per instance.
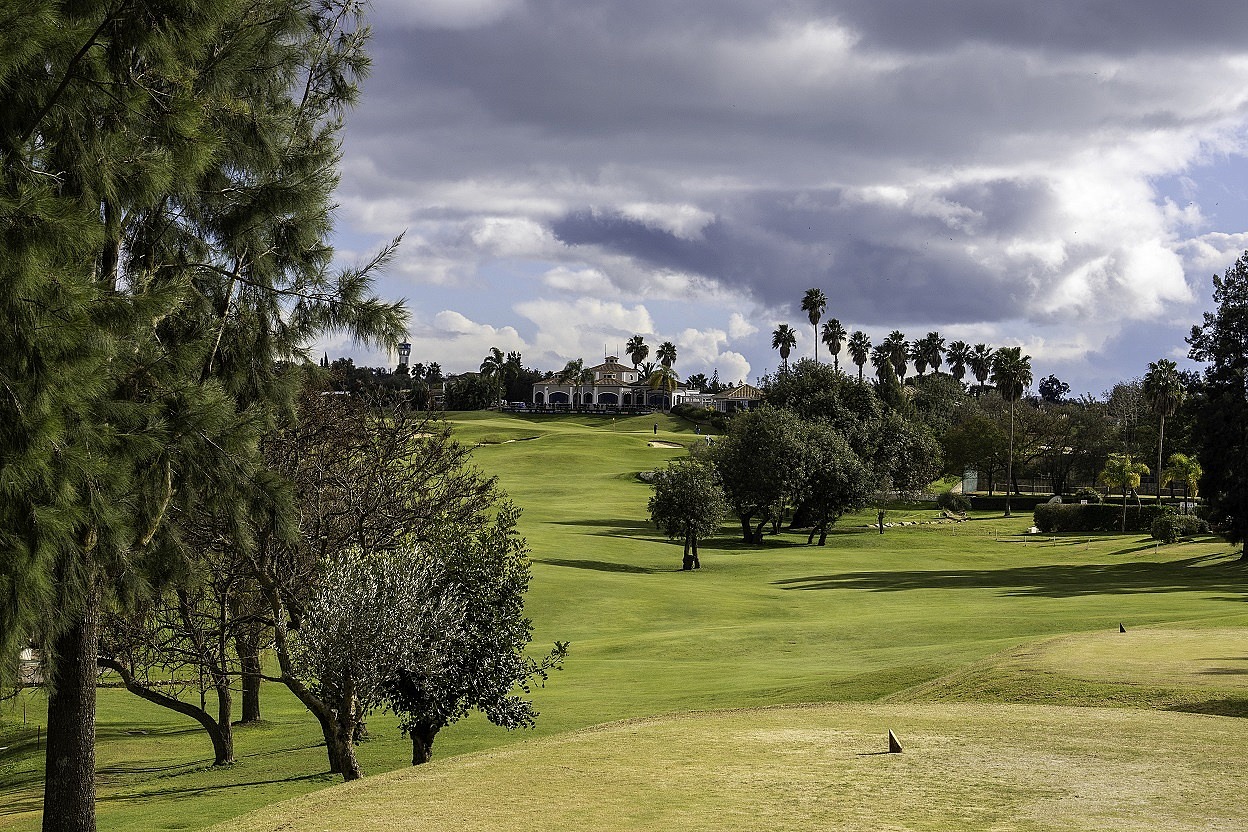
[688, 504]
[476, 657]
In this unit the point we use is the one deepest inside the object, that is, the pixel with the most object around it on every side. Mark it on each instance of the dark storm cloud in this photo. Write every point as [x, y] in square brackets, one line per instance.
[925, 161]
[1100, 26]
[880, 264]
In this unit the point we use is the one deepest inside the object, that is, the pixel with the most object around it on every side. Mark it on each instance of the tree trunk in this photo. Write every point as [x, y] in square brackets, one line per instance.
[1161, 439]
[225, 709]
[422, 743]
[222, 739]
[697, 564]
[758, 532]
[69, 768]
[248, 648]
[747, 528]
[344, 739]
[326, 718]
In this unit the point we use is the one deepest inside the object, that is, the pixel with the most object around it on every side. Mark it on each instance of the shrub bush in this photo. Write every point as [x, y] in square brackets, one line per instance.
[1090, 494]
[1095, 517]
[1170, 528]
[953, 502]
[702, 416]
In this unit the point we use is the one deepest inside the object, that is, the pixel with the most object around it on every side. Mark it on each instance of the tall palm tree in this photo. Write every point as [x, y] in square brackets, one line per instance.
[647, 367]
[571, 375]
[636, 350]
[859, 349]
[783, 338]
[666, 354]
[959, 357]
[813, 305]
[934, 350]
[834, 338]
[586, 378]
[898, 353]
[492, 367]
[1122, 472]
[881, 356]
[918, 355]
[1011, 373]
[981, 363]
[1163, 390]
[664, 379]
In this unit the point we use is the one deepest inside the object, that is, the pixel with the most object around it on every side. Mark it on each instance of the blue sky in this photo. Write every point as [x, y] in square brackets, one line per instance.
[1063, 176]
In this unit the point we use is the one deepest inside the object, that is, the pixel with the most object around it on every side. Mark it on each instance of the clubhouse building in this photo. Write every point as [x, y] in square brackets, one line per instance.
[619, 387]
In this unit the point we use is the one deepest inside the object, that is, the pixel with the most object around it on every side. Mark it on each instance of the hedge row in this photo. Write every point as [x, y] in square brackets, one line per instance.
[1018, 502]
[1068, 517]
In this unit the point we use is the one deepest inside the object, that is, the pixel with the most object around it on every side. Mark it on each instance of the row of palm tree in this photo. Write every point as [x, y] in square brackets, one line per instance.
[924, 353]
[1007, 367]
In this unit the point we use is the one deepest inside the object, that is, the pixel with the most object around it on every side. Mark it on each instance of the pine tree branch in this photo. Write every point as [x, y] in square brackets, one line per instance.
[69, 71]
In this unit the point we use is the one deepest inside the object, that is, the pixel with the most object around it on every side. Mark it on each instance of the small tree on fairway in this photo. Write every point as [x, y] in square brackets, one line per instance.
[833, 479]
[368, 616]
[492, 368]
[757, 462]
[1124, 473]
[688, 505]
[476, 658]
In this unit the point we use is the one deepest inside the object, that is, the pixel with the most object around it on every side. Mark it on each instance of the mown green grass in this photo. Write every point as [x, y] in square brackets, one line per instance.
[933, 611]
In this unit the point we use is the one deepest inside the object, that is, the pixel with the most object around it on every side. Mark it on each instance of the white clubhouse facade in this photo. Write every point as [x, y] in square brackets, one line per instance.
[617, 385]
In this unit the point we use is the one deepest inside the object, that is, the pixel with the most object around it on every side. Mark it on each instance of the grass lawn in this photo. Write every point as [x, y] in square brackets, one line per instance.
[966, 635]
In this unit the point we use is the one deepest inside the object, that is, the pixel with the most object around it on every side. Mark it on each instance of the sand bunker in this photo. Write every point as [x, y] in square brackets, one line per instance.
[658, 443]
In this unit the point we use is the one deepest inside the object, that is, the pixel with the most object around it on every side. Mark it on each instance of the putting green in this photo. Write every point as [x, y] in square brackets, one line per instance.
[964, 767]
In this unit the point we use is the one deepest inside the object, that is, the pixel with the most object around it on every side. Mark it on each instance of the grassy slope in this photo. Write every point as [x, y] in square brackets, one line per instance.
[922, 612]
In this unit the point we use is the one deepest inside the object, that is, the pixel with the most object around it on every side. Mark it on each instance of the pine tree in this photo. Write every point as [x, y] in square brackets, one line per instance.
[1222, 414]
[165, 174]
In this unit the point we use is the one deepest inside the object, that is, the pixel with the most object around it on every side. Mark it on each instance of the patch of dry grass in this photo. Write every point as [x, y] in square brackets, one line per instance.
[965, 767]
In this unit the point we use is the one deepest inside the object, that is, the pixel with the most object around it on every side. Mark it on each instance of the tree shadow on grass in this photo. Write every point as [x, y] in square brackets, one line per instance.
[1048, 581]
[613, 523]
[597, 565]
[154, 794]
[736, 544]
[1214, 707]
